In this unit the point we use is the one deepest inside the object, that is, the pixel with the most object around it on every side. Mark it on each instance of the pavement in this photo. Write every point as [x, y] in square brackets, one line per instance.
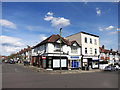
[38, 69]
[18, 76]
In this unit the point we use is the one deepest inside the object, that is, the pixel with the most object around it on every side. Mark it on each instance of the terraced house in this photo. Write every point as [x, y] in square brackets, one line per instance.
[109, 55]
[46, 54]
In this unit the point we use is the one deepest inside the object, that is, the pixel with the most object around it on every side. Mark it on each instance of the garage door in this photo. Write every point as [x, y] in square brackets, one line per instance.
[56, 63]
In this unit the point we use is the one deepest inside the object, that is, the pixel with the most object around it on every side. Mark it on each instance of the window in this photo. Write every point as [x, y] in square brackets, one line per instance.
[85, 50]
[73, 49]
[95, 42]
[90, 40]
[57, 47]
[95, 51]
[90, 50]
[85, 39]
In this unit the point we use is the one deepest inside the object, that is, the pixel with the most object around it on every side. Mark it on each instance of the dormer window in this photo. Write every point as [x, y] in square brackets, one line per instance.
[73, 49]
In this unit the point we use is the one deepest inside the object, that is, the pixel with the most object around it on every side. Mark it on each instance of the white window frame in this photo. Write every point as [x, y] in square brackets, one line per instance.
[74, 49]
[95, 41]
[90, 50]
[86, 50]
[85, 39]
[90, 40]
[95, 51]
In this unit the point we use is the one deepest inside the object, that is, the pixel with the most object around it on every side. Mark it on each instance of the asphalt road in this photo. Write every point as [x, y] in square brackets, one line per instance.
[16, 76]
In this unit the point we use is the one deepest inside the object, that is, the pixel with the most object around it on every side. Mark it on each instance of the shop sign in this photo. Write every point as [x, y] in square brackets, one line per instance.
[95, 59]
[74, 57]
[43, 57]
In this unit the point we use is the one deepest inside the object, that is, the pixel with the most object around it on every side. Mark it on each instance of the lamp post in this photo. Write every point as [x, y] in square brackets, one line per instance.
[60, 51]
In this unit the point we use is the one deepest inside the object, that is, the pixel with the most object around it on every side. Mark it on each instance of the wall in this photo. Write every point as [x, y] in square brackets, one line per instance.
[88, 45]
[50, 47]
[75, 37]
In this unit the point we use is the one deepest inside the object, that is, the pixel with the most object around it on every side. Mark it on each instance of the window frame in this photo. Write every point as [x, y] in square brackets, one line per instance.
[86, 50]
[85, 39]
[95, 51]
[75, 48]
[90, 40]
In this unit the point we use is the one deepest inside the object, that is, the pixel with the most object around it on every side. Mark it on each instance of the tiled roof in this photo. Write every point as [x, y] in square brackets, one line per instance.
[53, 38]
[103, 50]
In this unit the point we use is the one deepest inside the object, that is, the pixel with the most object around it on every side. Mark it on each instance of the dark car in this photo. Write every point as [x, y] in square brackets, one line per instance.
[109, 68]
[11, 62]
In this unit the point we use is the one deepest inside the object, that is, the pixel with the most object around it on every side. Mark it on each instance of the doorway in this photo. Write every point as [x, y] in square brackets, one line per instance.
[89, 62]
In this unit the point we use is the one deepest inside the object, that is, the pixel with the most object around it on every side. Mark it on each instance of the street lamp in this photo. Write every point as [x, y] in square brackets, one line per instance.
[60, 51]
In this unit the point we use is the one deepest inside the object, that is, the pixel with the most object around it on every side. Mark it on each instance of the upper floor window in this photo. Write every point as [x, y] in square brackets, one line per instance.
[57, 47]
[91, 40]
[85, 50]
[90, 50]
[95, 42]
[95, 51]
[73, 49]
[85, 39]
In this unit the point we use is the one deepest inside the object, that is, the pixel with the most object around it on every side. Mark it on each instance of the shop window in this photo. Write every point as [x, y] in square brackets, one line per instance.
[73, 49]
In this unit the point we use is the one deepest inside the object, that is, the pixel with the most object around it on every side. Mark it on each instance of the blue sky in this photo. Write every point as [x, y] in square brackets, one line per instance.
[29, 23]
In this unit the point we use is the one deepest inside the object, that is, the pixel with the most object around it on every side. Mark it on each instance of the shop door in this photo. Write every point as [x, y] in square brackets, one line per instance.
[49, 63]
[89, 62]
[74, 64]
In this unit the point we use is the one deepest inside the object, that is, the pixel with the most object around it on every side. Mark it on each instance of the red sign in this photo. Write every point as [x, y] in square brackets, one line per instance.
[43, 57]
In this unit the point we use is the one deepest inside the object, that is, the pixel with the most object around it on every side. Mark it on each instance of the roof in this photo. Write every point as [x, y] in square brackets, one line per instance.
[53, 38]
[104, 50]
[84, 33]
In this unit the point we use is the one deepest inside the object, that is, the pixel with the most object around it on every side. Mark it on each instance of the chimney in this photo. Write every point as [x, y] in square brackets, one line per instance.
[111, 49]
[103, 47]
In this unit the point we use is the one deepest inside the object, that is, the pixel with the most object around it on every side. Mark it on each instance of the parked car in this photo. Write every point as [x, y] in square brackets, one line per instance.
[12, 62]
[6, 61]
[116, 67]
[109, 68]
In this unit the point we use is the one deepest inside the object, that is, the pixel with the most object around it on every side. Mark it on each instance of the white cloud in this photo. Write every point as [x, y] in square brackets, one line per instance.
[7, 24]
[98, 11]
[100, 28]
[48, 18]
[60, 22]
[29, 28]
[118, 29]
[8, 49]
[111, 33]
[109, 28]
[85, 1]
[10, 44]
[49, 13]
[57, 21]
[42, 37]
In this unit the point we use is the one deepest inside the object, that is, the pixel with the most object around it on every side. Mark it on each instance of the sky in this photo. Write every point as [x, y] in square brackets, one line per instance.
[28, 23]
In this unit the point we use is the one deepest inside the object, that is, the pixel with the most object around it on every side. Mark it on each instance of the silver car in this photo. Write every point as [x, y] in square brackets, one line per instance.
[109, 68]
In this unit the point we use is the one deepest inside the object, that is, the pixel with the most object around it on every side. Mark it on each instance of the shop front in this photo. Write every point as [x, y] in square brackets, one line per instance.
[95, 64]
[90, 63]
[74, 62]
[53, 62]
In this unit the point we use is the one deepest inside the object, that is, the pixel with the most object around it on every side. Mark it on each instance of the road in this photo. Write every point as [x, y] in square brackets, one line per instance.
[16, 76]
